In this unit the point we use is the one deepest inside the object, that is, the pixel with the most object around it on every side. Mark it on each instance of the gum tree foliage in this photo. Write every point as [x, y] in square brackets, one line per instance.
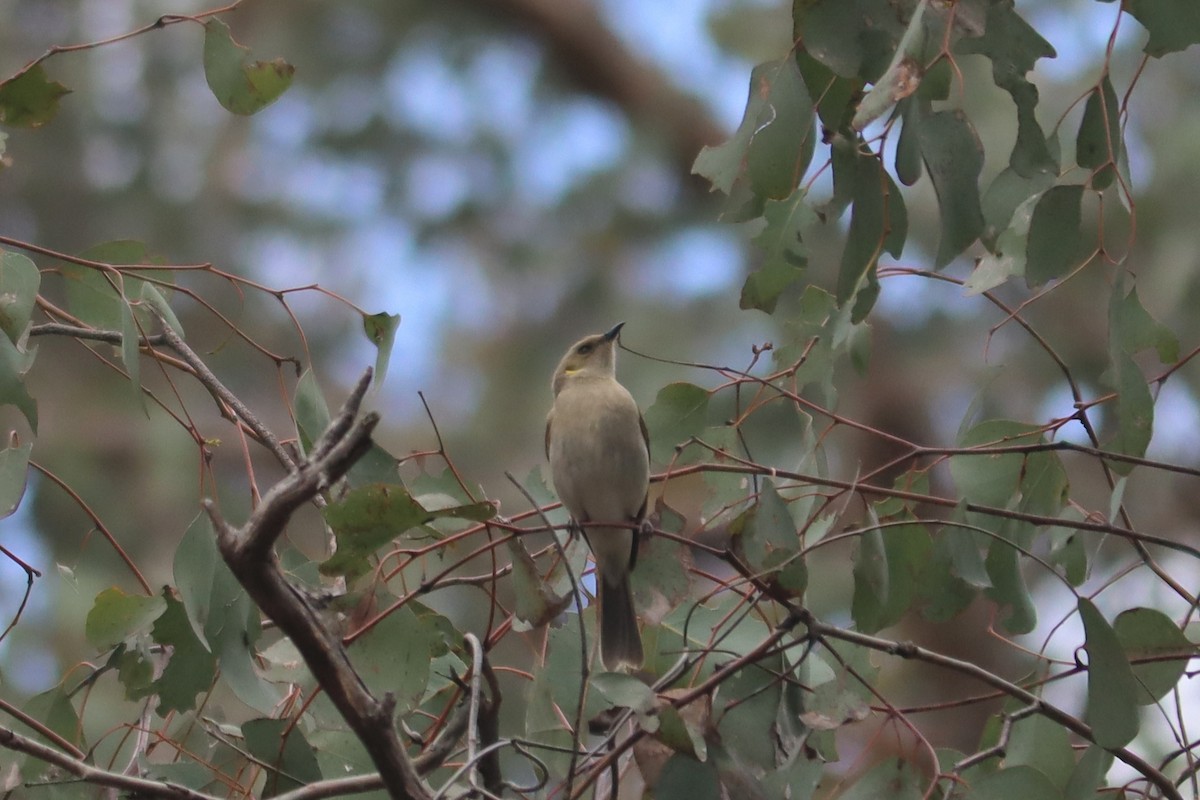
[263, 671]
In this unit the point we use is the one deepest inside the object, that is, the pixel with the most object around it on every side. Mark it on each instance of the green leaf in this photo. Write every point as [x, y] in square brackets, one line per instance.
[908, 549]
[1068, 552]
[1007, 256]
[150, 295]
[785, 254]
[29, 99]
[381, 330]
[195, 568]
[369, 517]
[782, 145]
[394, 656]
[536, 603]
[854, 38]
[1147, 633]
[962, 547]
[280, 744]
[1112, 690]
[554, 691]
[233, 635]
[1008, 585]
[14, 364]
[240, 87]
[901, 78]
[53, 708]
[19, 283]
[116, 616]
[685, 778]
[722, 164]
[878, 222]
[191, 667]
[1014, 47]
[1098, 143]
[1136, 330]
[838, 698]
[191, 774]
[1054, 235]
[893, 778]
[661, 579]
[835, 96]
[990, 479]
[680, 411]
[135, 671]
[697, 626]
[310, 410]
[1088, 776]
[749, 699]
[942, 593]
[1008, 205]
[808, 347]
[341, 752]
[1174, 25]
[870, 582]
[98, 296]
[626, 691]
[844, 160]
[765, 537]
[1021, 781]
[953, 157]
[908, 148]
[681, 735]
[130, 336]
[1044, 745]
[14, 469]
[1134, 411]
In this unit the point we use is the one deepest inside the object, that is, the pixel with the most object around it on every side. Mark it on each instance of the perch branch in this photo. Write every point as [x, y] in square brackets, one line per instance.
[249, 552]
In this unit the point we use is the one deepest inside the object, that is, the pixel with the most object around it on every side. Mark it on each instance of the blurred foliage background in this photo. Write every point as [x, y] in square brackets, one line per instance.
[507, 176]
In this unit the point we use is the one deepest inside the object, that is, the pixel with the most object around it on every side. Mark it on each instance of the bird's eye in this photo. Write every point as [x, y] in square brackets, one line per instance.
[584, 349]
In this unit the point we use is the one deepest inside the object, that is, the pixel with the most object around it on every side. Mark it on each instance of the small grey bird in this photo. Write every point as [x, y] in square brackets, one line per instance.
[599, 456]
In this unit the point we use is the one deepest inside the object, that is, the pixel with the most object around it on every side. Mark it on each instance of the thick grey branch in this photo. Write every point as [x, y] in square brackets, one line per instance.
[92, 334]
[250, 555]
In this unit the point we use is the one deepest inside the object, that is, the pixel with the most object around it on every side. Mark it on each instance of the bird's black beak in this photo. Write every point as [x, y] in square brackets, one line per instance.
[608, 337]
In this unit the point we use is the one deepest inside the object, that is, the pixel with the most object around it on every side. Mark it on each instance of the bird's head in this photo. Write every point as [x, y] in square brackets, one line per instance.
[592, 356]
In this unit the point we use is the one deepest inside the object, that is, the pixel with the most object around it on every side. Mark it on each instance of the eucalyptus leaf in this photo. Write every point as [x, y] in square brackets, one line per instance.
[1112, 689]
[19, 284]
[241, 87]
[14, 470]
[953, 158]
[29, 99]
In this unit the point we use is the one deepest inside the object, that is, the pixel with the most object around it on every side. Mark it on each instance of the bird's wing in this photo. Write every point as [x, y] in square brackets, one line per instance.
[645, 440]
[550, 419]
[645, 433]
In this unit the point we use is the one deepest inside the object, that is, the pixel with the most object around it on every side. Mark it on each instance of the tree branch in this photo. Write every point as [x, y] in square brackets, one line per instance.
[250, 555]
[1053, 713]
[139, 787]
[222, 393]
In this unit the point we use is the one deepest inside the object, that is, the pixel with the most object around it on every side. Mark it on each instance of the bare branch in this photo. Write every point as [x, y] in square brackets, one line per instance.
[91, 334]
[1053, 713]
[139, 787]
[222, 393]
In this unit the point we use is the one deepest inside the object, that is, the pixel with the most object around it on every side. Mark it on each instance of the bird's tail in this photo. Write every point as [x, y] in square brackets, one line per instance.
[620, 642]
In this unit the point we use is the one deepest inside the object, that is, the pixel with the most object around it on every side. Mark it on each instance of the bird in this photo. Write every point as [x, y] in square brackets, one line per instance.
[599, 453]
